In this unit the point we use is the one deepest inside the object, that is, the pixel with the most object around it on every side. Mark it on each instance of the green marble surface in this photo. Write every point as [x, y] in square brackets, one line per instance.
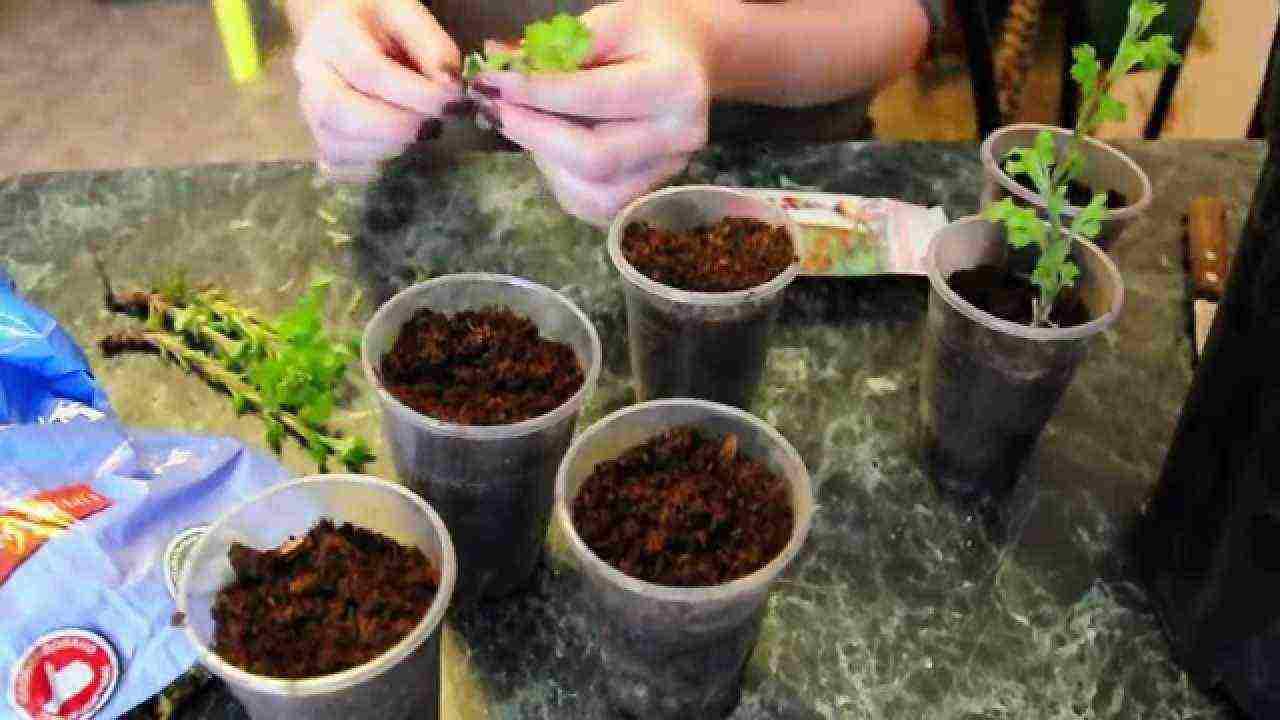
[900, 606]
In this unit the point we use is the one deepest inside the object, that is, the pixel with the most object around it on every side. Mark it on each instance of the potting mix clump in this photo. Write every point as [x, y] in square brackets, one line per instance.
[733, 254]
[481, 367]
[684, 509]
[330, 601]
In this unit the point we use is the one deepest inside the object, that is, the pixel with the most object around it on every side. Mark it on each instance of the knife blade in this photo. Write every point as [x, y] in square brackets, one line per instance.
[1209, 260]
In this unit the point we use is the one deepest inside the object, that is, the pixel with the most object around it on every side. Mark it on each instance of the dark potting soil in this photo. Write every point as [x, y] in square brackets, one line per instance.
[733, 254]
[484, 367]
[684, 509]
[1078, 194]
[1008, 296]
[330, 601]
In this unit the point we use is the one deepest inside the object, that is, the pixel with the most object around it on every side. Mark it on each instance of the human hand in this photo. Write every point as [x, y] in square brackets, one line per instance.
[374, 75]
[617, 129]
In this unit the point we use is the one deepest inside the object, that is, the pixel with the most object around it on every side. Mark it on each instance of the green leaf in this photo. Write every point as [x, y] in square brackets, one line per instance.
[275, 435]
[1069, 273]
[240, 403]
[1142, 13]
[352, 452]
[1158, 53]
[1089, 222]
[316, 448]
[1110, 110]
[1086, 68]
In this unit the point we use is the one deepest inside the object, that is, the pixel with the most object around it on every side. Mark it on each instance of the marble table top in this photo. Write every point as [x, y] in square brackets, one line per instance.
[899, 606]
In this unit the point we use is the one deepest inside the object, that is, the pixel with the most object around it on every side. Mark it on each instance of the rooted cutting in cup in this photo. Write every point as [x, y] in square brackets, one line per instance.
[678, 562]
[481, 378]
[703, 271]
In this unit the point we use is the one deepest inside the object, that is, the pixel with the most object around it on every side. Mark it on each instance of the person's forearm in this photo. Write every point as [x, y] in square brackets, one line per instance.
[802, 52]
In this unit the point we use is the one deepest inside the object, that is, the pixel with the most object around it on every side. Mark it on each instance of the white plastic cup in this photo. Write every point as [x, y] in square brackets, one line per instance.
[492, 484]
[1106, 168]
[402, 682]
[989, 386]
[672, 652]
[698, 344]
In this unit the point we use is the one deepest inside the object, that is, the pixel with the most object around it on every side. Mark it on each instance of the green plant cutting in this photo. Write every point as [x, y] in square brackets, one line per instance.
[289, 370]
[1051, 172]
[558, 44]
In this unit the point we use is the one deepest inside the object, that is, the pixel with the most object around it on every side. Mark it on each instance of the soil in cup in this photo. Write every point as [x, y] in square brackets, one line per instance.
[1008, 296]
[685, 509]
[479, 367]
[326, 602]
[1078, 193]
[732, 254]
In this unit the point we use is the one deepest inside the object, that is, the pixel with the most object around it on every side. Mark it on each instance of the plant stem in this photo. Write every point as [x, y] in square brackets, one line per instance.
[171, 345]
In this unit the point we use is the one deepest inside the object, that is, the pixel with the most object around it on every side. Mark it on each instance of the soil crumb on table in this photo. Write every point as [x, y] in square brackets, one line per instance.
[684, 509]
[330, 601]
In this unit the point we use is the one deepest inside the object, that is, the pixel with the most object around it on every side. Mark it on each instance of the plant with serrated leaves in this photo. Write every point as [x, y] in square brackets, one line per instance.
[558, 44]
[1051, 172]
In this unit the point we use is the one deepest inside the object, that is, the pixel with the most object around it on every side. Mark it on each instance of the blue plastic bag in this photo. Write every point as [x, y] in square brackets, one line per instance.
[97, 562]
[44, 375]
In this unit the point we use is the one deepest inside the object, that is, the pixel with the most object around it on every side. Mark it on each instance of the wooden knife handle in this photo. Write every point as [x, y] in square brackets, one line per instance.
[1207, 245]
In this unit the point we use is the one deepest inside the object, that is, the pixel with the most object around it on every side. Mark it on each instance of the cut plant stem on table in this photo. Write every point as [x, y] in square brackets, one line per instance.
[290, 370]
[1053, 174]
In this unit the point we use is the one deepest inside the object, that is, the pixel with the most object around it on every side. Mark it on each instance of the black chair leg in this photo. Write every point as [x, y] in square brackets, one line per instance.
[1169, 81]
[977, 37]
[1076, 28]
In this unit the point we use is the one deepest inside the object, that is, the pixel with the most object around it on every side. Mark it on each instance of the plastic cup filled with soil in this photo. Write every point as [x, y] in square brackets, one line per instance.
[1107, 170]
[323, 598]
[481, 378]
[703, 269]
[681, 513]
[990, 381]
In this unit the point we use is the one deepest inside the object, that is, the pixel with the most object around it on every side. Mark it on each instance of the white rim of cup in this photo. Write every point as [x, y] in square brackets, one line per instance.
[996, 165]
[486, 432]
[1097, 325]
[639, 279]
[669, 593]
[334, 682]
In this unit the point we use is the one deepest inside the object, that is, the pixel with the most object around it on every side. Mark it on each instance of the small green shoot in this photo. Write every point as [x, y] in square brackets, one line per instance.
[1051, 171]
[559, 44]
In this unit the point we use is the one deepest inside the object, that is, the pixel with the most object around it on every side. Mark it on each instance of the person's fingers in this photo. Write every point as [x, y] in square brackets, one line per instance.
[605, 151]
[363, 64]
[627, 90]
[611, 26]
[410, 24]
[492, 46]
[598, 203]
[337, 149]
[329, 103]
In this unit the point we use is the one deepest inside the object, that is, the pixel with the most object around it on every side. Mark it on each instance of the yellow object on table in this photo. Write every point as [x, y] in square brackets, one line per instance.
[235, 23]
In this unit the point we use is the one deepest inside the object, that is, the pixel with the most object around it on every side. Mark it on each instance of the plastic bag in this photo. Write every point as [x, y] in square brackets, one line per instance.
[44, 376]
[87, 513]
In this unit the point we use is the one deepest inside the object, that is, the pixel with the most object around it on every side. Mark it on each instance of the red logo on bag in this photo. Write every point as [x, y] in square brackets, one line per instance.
[66, 675]
[25, 525]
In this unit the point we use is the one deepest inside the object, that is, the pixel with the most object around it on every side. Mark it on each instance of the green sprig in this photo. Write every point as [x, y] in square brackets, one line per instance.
[559, 44]
[1051, 168]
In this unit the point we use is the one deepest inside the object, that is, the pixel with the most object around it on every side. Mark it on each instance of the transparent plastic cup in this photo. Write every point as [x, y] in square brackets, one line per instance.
[988, 386]
[696, 344]
[402, 682]
[1106, 168]
[493, 485]
[672, 652]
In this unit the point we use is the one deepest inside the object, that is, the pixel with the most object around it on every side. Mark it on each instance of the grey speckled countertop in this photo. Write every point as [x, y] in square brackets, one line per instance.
[899, 606]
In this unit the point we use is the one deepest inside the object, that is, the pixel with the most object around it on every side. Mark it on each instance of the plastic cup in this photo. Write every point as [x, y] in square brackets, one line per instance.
[672, 652]
[988, 386]
[492, 484]
[402, 682]
[696, 344]
[1106, 168]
